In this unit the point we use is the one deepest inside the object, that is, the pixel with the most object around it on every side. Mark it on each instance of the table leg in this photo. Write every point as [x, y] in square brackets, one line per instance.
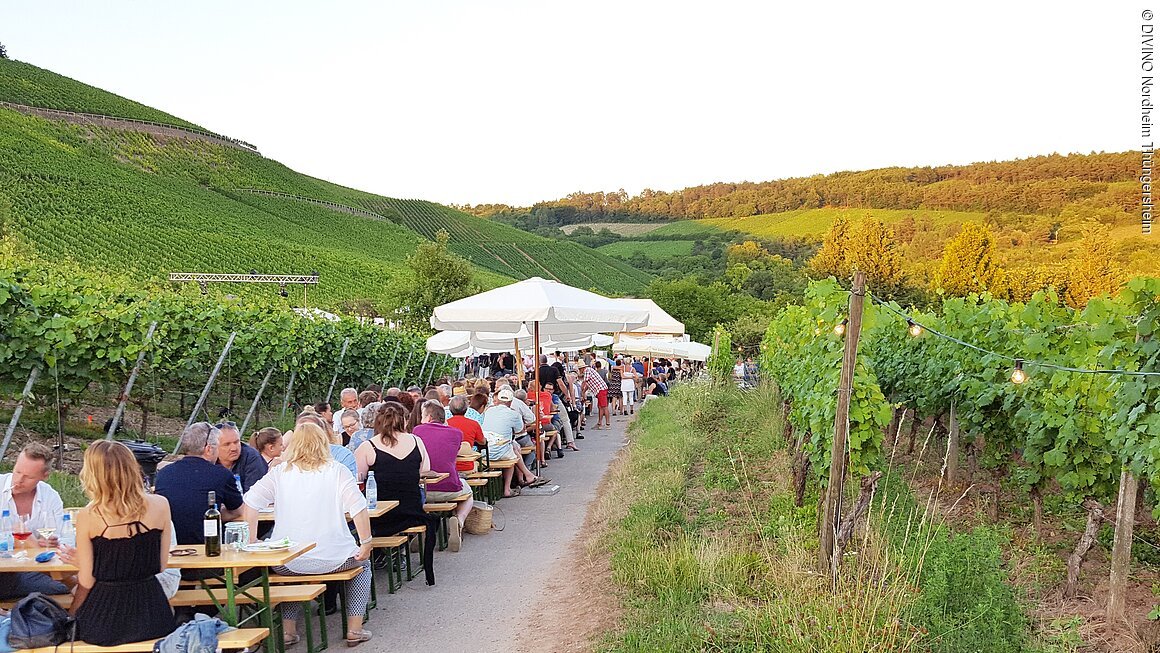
[273, 643]
[231, 597]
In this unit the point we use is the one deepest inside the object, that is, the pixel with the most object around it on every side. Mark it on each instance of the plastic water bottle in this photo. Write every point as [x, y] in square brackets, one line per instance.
[7, 542]
[238, 482]
[372, 492]
[68, 531]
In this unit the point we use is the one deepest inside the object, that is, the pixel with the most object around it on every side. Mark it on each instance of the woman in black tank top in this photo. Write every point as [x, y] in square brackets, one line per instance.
[398, 458]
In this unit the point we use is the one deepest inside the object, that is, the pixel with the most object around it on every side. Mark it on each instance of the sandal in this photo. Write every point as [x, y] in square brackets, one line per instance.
[291, 640]
[515, 493]
[574, 447]
[540, 481]
[356, 637]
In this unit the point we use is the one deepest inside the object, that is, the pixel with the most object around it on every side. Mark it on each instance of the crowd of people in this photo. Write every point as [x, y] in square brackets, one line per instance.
[417, 443]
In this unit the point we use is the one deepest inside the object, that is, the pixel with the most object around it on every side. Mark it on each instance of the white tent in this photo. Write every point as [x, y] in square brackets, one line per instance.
[659, 321]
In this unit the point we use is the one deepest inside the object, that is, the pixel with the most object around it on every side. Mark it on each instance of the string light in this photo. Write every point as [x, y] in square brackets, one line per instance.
[912, 323]
[913, 327]
[840, 328]
[1018, 376]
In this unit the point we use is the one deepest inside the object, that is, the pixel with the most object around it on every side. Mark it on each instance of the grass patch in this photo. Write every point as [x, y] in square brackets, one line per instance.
[710, 553]
[654, 249]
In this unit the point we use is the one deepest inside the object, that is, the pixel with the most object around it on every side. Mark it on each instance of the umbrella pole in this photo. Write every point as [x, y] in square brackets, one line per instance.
[539, 391]
[519, 364]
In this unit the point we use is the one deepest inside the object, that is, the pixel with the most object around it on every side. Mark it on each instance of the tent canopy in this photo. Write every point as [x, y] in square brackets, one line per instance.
[560, 310]
[659, 321]
[656, 347]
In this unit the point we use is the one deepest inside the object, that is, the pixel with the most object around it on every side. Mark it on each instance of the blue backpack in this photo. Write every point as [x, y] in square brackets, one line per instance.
[37, 621]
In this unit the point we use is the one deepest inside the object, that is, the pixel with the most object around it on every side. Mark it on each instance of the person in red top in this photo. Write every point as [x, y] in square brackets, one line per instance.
[472, 431]
[547, 411]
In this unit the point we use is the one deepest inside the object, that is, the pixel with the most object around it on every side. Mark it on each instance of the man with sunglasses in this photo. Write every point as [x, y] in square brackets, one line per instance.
[187, 483]
[238, 457]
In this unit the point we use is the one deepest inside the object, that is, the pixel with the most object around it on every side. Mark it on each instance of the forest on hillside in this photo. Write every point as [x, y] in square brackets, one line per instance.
[1042, 185]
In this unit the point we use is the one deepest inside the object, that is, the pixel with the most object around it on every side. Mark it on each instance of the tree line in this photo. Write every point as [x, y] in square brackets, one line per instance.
[1040, 185]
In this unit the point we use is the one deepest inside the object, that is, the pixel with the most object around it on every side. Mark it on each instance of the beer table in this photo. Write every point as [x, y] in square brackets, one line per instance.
[27, 562]
[433, 477]
[226, 567]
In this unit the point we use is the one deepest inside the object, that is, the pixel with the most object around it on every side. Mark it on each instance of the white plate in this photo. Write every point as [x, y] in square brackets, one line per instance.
[260, 547]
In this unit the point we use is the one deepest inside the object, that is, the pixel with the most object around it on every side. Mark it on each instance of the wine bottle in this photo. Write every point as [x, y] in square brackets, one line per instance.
[212, 528]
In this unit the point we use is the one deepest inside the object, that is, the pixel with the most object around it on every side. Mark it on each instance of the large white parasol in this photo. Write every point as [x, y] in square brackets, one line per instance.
[547, 308]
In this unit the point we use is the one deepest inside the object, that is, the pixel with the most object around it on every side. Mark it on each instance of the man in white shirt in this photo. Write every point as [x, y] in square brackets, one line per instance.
[25, 492]
[349, 399]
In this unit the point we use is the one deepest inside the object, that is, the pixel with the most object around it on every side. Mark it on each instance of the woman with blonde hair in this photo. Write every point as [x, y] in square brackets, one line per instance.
[312, 494]
[123, 537]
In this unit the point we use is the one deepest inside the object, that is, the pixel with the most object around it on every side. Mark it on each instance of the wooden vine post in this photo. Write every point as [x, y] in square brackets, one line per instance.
[833, 499]
[1122, 546]
[951, 465]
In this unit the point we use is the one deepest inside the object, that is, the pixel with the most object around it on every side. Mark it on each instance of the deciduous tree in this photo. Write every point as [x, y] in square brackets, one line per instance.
[968, 263]
[436, 276]
[873, 251]
[833, 257]
[1094, 272]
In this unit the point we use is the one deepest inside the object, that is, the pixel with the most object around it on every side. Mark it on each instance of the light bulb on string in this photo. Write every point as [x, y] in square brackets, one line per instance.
[840, 328]
[914, 328]
[1018, 376]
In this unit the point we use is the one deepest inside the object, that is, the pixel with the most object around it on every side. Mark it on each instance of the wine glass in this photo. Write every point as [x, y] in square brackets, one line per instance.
[21, 530]
[46, 532]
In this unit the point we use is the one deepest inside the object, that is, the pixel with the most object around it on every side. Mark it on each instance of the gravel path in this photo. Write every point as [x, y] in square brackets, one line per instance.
[484, 593]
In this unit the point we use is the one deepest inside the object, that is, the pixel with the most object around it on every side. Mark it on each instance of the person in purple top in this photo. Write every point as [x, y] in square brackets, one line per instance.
[442, 443]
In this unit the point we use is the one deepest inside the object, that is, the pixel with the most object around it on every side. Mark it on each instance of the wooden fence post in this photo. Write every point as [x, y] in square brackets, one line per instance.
[833, 498]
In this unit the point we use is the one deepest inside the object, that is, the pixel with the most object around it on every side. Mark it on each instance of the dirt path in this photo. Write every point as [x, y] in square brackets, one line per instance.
[520, 589]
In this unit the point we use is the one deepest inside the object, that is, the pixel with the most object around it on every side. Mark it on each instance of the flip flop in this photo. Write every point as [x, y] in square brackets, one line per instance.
[540, 481]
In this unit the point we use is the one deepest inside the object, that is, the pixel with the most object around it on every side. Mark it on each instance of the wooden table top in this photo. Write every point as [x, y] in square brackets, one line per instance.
[231, 559]
[383, 508]
[27, 561]
[467, 458]
[237, 559]
[434, 477]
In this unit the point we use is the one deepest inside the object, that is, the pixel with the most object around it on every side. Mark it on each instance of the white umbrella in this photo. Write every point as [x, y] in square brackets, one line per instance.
[656, 347]
[659, 321]
[467, 343]
[558, 309]
[549, 308]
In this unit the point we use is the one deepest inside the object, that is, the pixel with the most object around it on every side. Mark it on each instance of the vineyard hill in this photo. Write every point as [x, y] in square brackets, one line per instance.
[111, 196]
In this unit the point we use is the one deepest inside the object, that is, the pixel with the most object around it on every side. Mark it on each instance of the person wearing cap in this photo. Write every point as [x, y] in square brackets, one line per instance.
[505, 423]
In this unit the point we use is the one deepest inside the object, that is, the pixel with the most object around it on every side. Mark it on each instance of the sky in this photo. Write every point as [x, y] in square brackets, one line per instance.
[518, 102]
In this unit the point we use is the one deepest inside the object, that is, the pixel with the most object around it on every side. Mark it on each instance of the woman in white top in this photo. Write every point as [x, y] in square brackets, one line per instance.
[627, 386]
[312, 494]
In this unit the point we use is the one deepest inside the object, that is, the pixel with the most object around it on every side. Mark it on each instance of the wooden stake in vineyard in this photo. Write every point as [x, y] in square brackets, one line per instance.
[828, 551]
[1122, 546]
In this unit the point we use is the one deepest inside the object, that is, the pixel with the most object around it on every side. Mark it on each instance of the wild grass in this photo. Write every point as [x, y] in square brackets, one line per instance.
[710, 553]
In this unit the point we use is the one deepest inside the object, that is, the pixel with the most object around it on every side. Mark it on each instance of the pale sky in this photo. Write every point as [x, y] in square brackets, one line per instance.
[515, 102]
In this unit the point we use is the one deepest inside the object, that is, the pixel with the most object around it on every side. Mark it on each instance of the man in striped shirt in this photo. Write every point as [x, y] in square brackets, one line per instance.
[592, 382]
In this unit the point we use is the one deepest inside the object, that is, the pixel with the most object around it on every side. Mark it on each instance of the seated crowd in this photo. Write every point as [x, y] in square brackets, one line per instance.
[420, 444]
